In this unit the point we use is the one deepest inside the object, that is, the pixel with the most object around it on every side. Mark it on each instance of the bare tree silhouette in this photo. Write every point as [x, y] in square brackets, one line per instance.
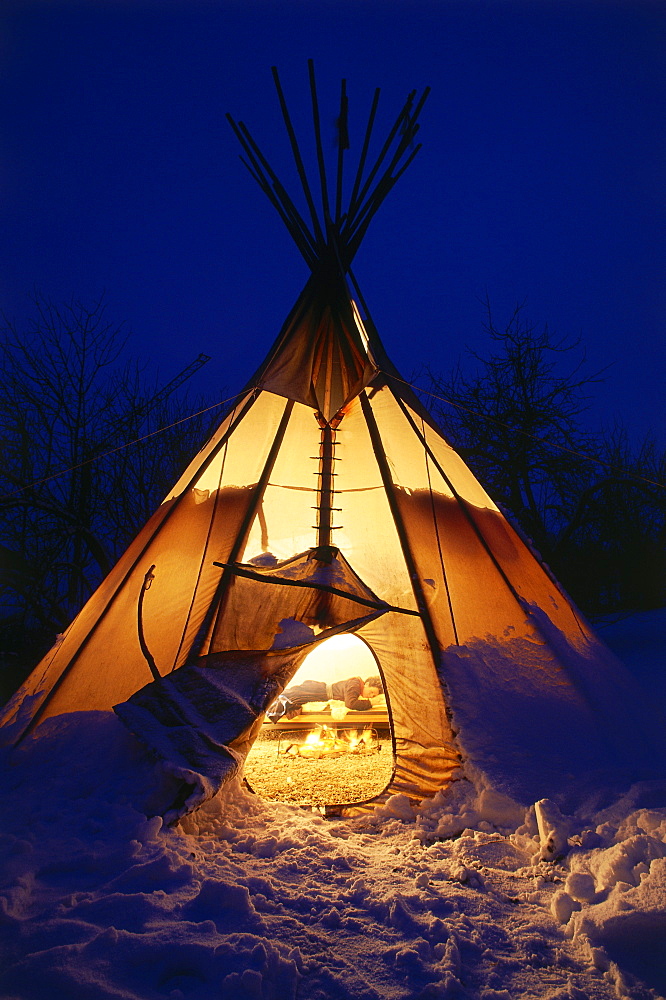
[72, 492]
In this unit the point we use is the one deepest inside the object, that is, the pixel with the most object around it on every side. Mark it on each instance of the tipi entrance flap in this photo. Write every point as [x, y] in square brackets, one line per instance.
[201, 719]
[305, 589]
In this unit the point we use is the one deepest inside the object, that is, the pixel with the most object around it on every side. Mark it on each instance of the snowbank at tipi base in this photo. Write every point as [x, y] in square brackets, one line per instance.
[466, 896]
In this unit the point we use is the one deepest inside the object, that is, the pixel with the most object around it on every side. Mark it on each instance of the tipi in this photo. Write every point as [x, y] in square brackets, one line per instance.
[326, 502]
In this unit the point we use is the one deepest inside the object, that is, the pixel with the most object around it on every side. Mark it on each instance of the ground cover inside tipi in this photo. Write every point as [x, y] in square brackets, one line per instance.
[276, 772]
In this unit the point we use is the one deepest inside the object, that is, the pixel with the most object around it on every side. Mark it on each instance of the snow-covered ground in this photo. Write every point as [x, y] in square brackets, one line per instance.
[250, 900]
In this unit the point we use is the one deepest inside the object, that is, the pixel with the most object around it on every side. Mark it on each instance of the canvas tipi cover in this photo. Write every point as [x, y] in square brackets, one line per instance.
[327, 501]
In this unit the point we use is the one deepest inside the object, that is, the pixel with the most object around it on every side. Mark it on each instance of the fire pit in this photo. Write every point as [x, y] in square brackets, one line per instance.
[324, 741]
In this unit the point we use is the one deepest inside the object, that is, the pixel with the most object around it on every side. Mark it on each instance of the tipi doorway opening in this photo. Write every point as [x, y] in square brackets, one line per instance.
[327, 753]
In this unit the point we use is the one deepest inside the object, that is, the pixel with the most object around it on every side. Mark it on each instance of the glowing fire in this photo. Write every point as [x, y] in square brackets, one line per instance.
[327, 742]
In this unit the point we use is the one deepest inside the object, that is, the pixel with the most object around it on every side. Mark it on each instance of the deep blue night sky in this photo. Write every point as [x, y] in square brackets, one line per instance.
[541, 177]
